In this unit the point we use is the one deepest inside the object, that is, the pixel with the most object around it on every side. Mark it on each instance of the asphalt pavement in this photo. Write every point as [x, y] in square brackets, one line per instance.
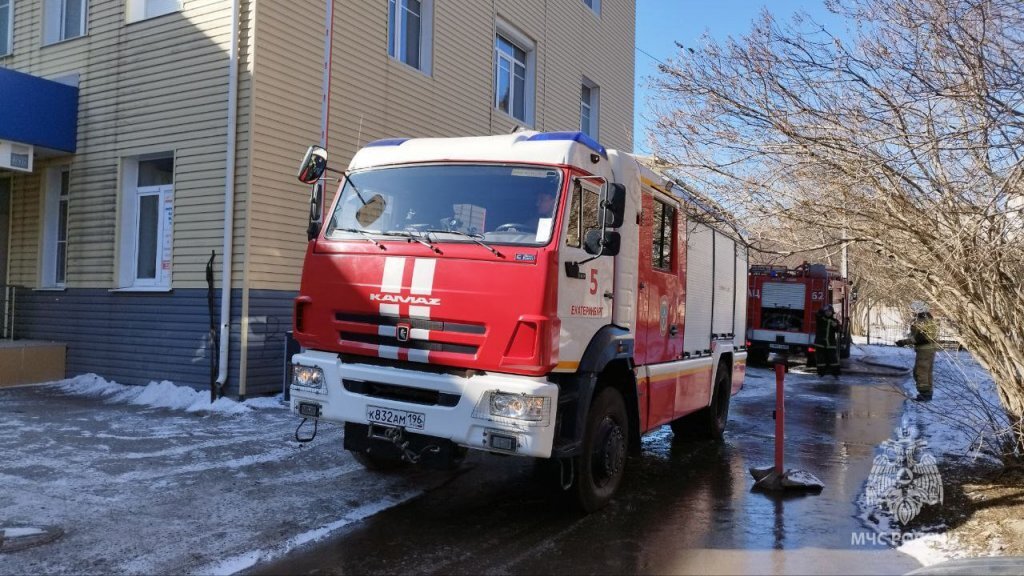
[89, 485]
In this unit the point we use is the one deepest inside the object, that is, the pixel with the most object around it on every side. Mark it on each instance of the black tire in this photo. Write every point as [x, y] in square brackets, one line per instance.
[601, 466]
[458, 457]
[757, 357]
[708, 423]
[378, 463]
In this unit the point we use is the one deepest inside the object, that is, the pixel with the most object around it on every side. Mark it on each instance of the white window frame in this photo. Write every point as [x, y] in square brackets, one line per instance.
[594, 5]
[9, 48]
[131, 197]
[55, 198]
[524, 43]
[136, 10]
[593, 106]
[396, 40]
[54, 29]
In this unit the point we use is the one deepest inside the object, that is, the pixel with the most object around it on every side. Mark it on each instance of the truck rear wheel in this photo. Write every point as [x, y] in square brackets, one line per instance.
[601, 466]
[708, 423]
[757, 356]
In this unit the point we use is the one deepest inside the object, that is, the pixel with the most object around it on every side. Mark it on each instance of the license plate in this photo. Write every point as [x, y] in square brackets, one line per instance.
[778, 347]
[393, 417]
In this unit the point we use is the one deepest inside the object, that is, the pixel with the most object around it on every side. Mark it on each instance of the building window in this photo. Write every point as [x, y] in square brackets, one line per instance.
[147, 218]
[513, 74]
[409, 32]
[143, 9]
[6, 28]
[594, 5]
[55, 227]
[63, 20]
[589, 108]
[664, 233]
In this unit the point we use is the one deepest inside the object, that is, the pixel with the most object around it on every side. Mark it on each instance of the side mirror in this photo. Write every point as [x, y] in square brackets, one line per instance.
[370, 212]
[602, 243]
[316, 203]
[313, 165]
[615, 205]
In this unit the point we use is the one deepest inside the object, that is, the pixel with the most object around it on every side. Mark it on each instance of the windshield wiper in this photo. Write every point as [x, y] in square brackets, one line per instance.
[473, 237]
[417, 237]
[362, 233]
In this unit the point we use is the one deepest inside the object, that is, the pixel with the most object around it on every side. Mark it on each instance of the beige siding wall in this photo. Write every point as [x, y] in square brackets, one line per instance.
[158, 85]
[286, 107]
[373, 96]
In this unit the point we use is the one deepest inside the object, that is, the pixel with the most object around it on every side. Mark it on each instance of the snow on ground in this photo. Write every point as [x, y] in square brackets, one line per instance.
[154, 479]
[163, 394]
[956, 424]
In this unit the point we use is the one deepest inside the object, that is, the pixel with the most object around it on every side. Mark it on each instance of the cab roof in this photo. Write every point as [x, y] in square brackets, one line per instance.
[571, 148]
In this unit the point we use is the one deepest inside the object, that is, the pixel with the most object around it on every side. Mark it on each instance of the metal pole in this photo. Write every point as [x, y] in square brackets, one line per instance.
[844, 267]
[780, 414]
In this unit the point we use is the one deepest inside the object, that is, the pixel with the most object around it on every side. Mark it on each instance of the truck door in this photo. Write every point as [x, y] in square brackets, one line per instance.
[661, 299]
[585, 301]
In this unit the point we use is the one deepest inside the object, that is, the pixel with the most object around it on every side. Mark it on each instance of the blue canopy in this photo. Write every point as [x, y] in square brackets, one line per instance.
[39, 112]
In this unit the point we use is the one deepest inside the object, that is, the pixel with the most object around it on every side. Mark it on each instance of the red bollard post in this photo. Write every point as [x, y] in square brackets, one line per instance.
[777, 478]
[780, 414]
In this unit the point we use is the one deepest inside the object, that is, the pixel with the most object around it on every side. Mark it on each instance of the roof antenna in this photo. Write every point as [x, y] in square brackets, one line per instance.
[516, 128]
[359, 135]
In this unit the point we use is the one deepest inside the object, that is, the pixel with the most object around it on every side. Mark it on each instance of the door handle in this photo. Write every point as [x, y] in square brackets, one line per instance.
[673, 330]
[609, 295]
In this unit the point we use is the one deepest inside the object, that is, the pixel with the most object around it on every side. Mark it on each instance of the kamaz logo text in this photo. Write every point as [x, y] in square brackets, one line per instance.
[399, 299]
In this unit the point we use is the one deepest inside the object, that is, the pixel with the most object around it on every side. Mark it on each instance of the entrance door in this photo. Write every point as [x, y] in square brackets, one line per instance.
[5, 235]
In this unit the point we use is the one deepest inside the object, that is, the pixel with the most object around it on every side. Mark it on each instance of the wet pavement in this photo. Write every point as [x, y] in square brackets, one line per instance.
[685, 507]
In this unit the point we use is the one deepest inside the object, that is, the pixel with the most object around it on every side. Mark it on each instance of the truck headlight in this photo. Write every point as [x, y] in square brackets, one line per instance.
[307, 377]
[519, 406]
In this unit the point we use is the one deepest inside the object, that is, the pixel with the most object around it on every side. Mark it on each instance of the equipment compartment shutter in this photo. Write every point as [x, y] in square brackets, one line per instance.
[725, 284]
[699, 288]
[740, 326]
[783, 295]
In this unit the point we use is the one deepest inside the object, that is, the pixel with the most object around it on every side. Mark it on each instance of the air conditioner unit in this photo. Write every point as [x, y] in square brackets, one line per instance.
[14, 156]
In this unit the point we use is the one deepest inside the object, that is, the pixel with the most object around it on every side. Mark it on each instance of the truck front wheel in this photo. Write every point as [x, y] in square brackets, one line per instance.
[601, 466]
[378, 463]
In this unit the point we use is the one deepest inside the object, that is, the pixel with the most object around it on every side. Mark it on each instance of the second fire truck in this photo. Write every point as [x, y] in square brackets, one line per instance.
[782, 306]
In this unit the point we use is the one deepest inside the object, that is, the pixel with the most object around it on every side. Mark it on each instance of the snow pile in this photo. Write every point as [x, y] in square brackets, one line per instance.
[163, 394]
[932, 549]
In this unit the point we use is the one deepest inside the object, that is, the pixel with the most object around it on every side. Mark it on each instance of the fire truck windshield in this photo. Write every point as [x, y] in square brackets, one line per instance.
[499, 204]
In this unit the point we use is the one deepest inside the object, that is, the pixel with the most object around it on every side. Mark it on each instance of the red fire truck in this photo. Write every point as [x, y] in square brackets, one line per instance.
[783, 303]
[530, 294]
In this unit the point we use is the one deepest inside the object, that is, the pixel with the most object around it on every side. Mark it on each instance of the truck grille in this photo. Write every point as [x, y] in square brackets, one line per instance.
[425, 335]
[409, 344]
[418, 323]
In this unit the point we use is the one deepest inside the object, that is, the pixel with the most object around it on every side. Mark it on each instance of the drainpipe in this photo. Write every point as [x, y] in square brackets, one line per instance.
[229, 202]
[325, 106]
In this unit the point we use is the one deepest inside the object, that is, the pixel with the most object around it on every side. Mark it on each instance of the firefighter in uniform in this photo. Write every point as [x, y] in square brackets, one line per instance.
[924, 333]
[826, 341]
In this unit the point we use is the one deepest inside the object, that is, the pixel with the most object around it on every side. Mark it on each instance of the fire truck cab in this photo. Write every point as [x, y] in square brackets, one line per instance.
[783, 303]
[531, 294]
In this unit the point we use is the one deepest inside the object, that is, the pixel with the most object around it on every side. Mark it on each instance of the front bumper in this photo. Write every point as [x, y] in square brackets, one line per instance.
[466, 422]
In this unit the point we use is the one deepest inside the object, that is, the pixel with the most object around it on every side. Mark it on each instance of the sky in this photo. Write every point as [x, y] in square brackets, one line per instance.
[661, 23]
